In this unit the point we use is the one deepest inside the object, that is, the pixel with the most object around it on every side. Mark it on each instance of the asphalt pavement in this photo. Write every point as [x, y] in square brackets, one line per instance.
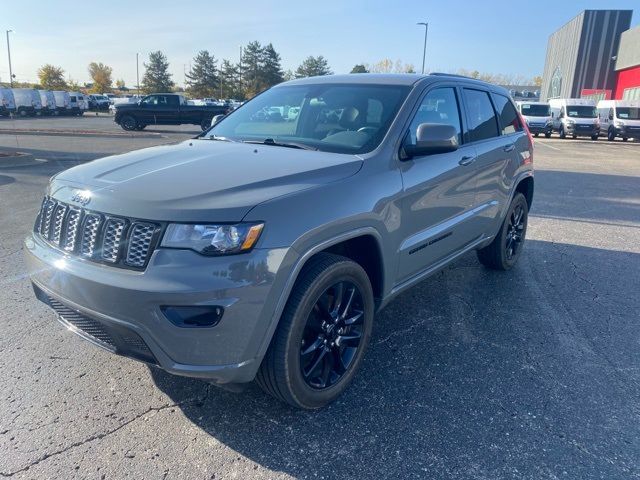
[527, 374]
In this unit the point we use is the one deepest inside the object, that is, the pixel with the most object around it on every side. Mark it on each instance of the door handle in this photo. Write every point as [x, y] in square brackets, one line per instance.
[467, 160]
[509, 148]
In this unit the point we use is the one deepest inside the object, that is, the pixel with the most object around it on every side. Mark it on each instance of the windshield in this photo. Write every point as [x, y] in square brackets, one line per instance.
[332, 118]
[535, 110]
[628, 113]
[581, 111]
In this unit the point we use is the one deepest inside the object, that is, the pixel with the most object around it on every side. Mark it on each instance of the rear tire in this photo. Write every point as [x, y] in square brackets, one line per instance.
[536, 135]
[320, 340]
[129, 123]
[140, 127]
[574, 136]
[547, 135]
[625, 139]
[505, 249]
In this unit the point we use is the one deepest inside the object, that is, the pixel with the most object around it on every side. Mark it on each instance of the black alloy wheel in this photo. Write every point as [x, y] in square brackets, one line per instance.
[515, 232]
[332, 335]
[128, 123]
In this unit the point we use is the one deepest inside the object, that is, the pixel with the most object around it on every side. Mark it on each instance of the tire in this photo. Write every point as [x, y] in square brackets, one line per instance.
[22, 113]
[496, 255]
[536, 135]
[140, 127]
[574, 136]
[562, 133]
[611, 135]
[625, 139]
[205, 124]
[128, 122]
[547, 135]
[299, 346]
[594, 137]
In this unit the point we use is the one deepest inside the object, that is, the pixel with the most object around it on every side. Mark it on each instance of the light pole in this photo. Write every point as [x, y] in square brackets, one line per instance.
[424, 50]
[9, 54]
[137, 74]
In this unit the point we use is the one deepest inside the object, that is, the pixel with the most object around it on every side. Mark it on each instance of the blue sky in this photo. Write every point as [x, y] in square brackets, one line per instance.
[490, 36]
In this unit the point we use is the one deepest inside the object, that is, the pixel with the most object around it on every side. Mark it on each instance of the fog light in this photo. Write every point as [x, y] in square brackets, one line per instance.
[190, 317]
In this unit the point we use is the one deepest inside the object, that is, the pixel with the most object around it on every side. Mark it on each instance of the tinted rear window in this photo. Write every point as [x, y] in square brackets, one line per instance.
[509, 119]
[482, 118]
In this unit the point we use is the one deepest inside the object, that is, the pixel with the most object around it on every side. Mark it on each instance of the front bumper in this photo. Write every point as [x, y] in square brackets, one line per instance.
[540, 128]
[582, 130]
[628, 131]
[124, 305]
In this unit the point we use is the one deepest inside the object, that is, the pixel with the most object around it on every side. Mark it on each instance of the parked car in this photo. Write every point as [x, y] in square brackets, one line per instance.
[7, 102]
[48, 100]
[264, 249]
[164, 109]
[77, 103]
[27, 101]
[110, 96]
[619, 118]
[63, 102]
[538, 117]
[98, 102]
[575, 117]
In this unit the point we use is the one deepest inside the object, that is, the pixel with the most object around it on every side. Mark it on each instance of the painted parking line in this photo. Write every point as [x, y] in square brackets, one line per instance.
[547, 145]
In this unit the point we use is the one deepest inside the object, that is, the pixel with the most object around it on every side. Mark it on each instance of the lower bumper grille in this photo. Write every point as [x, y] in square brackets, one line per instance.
[115, 338]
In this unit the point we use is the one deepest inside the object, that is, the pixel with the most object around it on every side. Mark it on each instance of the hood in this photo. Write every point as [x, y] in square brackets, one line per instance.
[199, 180]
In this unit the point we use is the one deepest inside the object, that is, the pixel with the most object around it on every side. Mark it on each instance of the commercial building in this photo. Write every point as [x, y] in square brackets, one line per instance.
[590, 55]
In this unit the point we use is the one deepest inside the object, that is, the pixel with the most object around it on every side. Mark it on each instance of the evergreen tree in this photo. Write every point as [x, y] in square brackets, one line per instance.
[230, 81]
[313, 67]
[202, 80]
[272, 68]
[251, 69]
[359, 68]
[156, 76]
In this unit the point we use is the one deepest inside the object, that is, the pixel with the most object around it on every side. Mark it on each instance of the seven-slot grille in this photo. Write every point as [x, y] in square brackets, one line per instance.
[96, 236]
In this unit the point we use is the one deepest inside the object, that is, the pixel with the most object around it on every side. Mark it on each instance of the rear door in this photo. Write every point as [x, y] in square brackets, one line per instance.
[498, 135]
[438, 190]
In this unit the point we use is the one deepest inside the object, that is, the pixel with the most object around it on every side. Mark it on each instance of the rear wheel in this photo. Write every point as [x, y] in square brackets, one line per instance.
[323, 333]
[140, 127]
[624, 139]
[503, 252]
[547, 135]
[535, 135]
[574, 136]
[128, 123]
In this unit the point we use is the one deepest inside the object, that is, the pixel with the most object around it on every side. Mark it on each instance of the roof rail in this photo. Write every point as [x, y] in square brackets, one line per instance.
[441, 74]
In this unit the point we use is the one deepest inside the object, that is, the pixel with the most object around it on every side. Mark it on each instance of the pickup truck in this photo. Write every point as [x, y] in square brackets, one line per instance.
[165, 109]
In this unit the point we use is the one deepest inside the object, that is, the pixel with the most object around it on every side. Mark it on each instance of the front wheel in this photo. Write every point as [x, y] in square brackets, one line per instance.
[547, 135]
[128, 123]
[562, 133]
[625, 139]
[505, 249]
[536, 135]
[611, 135]
[594, 137]
[322, 336]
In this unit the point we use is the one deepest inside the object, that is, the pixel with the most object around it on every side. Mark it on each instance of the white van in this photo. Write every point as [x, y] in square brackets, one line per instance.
[27, 101]
[63, 102]
[575, 117]
[48, 101]
[619, 118]
[7, 103]
[77, 103]
[536, 114]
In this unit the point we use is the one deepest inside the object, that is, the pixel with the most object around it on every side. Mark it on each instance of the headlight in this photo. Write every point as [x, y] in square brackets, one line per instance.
[618, 123]
[213, 239]
[570, 122]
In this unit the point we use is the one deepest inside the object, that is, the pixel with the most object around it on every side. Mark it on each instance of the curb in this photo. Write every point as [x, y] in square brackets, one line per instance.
[76, 133]
[19, 159]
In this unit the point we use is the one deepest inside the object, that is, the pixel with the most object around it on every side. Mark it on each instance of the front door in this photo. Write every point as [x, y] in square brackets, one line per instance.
[438, 192]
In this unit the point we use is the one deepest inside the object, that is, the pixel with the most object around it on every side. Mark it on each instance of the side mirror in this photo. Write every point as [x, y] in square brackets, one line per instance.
[216, 119]
[433, 138]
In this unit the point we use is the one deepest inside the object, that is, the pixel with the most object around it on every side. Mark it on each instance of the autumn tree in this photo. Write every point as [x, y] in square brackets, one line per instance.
[52, 77]
[101, 75]
[313, 67]
[156, 76]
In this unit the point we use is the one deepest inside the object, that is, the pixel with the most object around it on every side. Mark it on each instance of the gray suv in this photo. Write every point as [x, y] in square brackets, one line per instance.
[263, 248]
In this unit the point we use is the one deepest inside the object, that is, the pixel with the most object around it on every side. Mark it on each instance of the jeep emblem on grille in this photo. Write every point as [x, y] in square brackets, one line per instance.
[81, 196]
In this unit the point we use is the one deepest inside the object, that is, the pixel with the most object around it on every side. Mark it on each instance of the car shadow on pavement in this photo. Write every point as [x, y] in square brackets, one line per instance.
[471, 373]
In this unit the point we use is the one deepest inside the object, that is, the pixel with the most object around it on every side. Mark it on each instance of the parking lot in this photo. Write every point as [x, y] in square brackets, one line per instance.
[532, 373]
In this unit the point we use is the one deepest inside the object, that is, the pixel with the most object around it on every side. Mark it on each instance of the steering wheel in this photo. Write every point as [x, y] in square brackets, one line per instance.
[367, 129]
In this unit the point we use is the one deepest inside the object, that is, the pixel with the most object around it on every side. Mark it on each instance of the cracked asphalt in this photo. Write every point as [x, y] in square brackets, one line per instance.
[528, 374]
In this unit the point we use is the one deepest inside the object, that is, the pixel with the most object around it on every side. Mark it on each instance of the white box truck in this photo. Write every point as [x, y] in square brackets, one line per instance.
[619, 118]
[575, 117]
[27, 101]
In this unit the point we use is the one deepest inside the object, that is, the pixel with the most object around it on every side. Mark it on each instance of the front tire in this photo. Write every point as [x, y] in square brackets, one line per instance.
[505, 249]
[128, 122]
[322, 335]
[611, 135]
[547, 135]
[562, 133]
[594, 137]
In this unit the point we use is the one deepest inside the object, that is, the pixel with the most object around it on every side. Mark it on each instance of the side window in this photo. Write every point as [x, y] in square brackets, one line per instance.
[509, 119]
[440, 105]
[482, 118]
[151, 100]
[611, 114]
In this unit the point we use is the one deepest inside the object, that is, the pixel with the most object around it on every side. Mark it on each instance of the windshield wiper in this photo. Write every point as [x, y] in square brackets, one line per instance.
[271, 141]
